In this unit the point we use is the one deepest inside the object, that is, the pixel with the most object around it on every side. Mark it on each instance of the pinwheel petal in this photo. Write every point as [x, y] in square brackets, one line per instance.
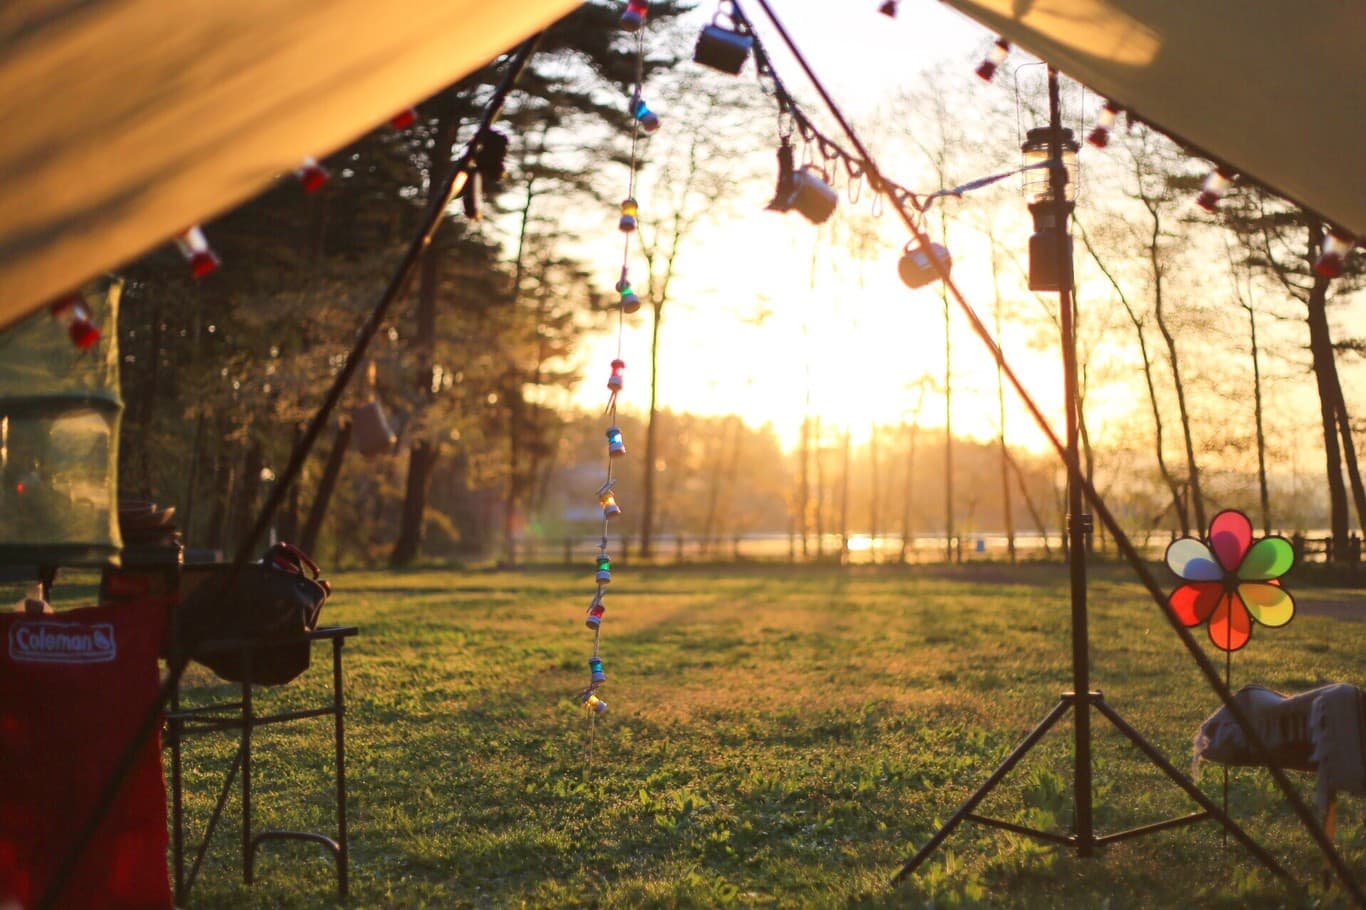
[1230, 534]
[1194, 603]
[1230, 627]
[1271, 605]
[1270, 557]
[1191, 560]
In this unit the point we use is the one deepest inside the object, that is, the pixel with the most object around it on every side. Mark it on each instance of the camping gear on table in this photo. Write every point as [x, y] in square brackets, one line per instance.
[254, 626]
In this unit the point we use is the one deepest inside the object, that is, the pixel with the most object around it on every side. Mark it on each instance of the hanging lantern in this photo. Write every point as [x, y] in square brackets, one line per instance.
[724, 49]
[811, 195]
[1050, 247]
[648, 119]
[595, 613]
[916, 266]
[472, 194]
[615, 381]
[72, 310]
[312, 175]
[888, 9]
[608, 501]
[404, 118]
[634, 16]
[595, 667]
[616, 446]
[629, 210]
[630, 302]
[195, 248]
[1216, 186]
[604, 568]
[1337, 246]
[994, 58]
[595, 704]
[1105, 121]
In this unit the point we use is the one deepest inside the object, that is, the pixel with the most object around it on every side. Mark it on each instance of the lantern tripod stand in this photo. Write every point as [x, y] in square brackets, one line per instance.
[1051, 269]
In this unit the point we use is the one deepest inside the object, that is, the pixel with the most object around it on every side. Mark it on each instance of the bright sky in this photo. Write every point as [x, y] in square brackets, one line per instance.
[847, 333]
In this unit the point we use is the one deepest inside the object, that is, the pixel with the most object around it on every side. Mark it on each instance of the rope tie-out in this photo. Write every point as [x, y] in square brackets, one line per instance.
[642, 118]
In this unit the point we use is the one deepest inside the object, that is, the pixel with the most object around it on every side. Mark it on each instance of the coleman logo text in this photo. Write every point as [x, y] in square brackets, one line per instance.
[49, 642]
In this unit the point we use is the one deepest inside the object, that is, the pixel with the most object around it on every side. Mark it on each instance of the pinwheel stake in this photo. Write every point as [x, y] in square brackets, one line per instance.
[1229, 583]
[1082, 700]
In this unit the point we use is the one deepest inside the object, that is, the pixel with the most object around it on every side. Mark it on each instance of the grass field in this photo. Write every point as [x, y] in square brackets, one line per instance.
[776, 737]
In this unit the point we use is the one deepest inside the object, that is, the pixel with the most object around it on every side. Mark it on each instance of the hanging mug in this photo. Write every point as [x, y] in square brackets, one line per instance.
[811, 195]
[723, 49]
[371, 430]
[916, 268]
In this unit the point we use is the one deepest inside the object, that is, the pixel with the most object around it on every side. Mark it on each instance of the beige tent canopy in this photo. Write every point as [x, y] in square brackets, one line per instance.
[122, 123]
[125, 122]
[1273, 88]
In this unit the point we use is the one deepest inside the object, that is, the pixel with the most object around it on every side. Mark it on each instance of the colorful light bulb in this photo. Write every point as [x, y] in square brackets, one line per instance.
[627, 224]
[1217, 185]
[1105, 121]
[595, 667]
[1337, 246]
[608, 501]
[649, 120]
[604, 566]
[195, 248]
[595, 704]
[615, 381]
[634, 16]
[404, 118]
[616, 446]
[79, 327]
[888, 9]
[630, 302]
[595, 612]
[994, 58]
[312, 175]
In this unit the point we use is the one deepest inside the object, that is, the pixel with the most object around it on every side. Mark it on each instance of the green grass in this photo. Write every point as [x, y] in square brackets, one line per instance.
[776, 737]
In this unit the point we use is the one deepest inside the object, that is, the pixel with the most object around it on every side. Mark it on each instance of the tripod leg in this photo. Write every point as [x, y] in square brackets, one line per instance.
[996, 776]
[1194, 792]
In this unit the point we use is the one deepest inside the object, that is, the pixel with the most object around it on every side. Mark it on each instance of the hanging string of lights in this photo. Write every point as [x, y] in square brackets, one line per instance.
[643, 120]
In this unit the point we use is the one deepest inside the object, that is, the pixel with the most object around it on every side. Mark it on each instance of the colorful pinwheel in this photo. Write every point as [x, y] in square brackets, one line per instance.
[1231, 581]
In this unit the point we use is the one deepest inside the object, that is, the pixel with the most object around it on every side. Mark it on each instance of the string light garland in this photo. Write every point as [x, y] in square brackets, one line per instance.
[194, 246]
[75, 317]
[643, 120]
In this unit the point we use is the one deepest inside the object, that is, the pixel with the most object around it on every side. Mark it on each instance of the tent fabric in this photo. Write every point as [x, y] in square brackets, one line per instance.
[126, 121]
[1275, 90]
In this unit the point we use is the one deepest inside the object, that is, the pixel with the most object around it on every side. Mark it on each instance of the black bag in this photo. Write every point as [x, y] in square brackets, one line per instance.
[278, 598]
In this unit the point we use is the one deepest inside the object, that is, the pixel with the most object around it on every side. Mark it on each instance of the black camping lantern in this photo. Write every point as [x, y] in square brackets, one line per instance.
[1051, 192]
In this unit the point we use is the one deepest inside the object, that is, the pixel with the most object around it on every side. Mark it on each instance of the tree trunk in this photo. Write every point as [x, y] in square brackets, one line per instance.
[244, 505]
[844, 500]
[1192, 470]
[421, 461]
[908, 502]
[1321, 349]
[647, 506]
[948, 418]
[308, 537]
[1262, 486]
[1178, 505]
[875, 495]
